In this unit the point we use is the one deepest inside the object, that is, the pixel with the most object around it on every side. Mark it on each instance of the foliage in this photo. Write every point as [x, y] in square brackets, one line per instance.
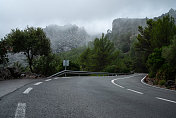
[72, 66]
[31, 41]
[72, 55]
[155, 49]
[100, 56]
[19, 66]
[3, 52]
[154, 62]
[47, 65]
[85, 59]
[169, 53]
[162, 82]
[155, 35]
[103, 53]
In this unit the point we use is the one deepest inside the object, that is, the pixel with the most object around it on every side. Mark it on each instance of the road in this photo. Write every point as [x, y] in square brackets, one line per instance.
[89, 97]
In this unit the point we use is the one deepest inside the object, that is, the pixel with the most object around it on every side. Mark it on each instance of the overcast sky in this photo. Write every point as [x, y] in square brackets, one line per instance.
[95, 15]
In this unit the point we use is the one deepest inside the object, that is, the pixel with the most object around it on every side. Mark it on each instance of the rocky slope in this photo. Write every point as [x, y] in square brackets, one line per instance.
[64, 38]
[124, 29]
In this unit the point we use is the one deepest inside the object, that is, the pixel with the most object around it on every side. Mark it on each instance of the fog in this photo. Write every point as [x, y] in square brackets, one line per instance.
[95, 15]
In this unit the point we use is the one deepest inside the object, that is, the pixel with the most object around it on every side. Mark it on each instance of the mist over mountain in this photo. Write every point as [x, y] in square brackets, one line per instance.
[171, 12]
[125, 29]
[67, 37]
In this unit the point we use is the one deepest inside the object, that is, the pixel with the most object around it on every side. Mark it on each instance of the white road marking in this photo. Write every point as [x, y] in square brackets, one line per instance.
[27, 90]
[165, 100]
[48, 80]
[20, 111]
[56, 78]
[118, 79]
[38, 83]
[142, 81]
[135, 91]
[116, 84]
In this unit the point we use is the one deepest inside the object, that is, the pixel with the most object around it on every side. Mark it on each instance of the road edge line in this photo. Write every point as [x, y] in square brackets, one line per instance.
[142, 81]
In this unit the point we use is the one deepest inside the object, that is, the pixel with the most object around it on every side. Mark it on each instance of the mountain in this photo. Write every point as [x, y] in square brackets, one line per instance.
[171, 12]
[125, 29]
[67, 37]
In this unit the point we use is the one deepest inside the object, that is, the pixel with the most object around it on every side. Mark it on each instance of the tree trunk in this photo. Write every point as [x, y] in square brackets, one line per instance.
[30, 66]
[30, 58]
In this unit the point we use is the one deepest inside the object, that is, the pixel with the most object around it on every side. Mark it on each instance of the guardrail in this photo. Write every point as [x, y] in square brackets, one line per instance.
[66, 72]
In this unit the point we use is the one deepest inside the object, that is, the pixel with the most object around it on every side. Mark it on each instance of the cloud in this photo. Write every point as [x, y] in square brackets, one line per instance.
[95, 15]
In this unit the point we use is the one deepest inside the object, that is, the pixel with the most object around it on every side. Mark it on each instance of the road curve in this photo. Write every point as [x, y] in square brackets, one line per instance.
[89, 97]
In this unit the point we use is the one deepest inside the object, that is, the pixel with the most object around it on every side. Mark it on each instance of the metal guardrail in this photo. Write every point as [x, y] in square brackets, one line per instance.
[64, 72]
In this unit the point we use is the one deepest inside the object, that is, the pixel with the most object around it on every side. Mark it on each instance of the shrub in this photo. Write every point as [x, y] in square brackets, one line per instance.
[162, 82]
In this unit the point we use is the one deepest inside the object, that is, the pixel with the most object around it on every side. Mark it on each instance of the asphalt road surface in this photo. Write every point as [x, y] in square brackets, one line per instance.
[89, 97]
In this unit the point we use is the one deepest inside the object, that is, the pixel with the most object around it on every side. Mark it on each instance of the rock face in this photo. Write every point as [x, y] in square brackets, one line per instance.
[171, 12]
[124, 29]
[122, 26]
[64, 38]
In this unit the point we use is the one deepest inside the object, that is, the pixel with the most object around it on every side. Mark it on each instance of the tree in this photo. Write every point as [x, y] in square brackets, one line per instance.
[85, 59]
[154, 62]
[3, 52]
[169, 53]
[102, 54]
[47, 65]
[156, 34]
[32, 41]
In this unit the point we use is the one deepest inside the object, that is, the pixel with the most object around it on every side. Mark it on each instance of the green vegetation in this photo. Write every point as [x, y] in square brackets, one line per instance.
[3, 52]
[47, 65]
[104, 57]
[156, 47]
[31, 41]
[153, 50]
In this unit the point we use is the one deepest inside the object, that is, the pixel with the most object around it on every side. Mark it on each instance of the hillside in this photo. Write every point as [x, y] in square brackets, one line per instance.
[67, 37]
[124, 29]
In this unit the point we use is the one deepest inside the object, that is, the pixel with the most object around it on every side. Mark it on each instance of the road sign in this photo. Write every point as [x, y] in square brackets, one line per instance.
[65, 62]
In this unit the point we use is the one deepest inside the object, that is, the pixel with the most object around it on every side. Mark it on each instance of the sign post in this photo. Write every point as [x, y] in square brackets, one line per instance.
[65, 64]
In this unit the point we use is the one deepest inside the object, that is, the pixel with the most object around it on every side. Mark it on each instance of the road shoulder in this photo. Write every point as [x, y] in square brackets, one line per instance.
[9, 86]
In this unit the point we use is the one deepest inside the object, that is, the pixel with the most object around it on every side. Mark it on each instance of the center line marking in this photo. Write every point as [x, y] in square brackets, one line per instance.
[116, 84]
[38, 83]
[56, 78]
[135, 91]
[48, 80]
[20, 111]
[27, 90]
[165, 100]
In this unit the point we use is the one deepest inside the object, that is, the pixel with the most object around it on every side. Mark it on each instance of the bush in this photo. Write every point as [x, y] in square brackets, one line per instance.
[47, 65]
[111, 69]
[165, 73]
[154, 62]
[162, 82]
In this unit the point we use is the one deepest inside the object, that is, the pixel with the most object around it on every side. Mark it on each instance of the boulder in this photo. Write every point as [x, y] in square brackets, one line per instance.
[169, 83]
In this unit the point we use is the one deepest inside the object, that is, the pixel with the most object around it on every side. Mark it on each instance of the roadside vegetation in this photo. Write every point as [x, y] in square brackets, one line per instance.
[156, 47]
[152, 51]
